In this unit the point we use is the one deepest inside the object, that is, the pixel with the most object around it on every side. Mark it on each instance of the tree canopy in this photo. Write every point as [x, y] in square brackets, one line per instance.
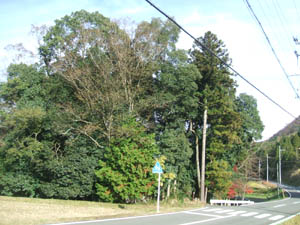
[89, 120]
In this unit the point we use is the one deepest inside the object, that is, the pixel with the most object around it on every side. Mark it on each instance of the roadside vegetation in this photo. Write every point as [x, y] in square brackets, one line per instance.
[34, 211]
[264, 191]
[293, 221]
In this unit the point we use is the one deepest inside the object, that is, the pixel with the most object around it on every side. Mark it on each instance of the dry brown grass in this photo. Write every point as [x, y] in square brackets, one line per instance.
[268, 184]
[293, 221]
[28, 211]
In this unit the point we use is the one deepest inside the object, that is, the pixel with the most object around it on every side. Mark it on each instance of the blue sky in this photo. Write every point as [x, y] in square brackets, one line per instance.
[229, 19]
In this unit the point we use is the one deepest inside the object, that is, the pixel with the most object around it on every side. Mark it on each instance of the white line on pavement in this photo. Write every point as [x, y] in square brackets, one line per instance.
[237, 213]
[261, 216]
[225, 211]
[277, 206]
[212, 210]
[276, 217]
[116, 219]
[203, 221]
[296, 202]
[200, 209]
[249, 214]
[285, 219]
[203, 214]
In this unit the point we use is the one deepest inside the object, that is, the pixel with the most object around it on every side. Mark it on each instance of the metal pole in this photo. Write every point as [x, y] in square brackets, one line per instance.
[267, 168]
[158, 193]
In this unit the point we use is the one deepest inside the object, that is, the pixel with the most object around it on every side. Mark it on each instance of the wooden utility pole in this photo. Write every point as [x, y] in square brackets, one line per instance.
[259, 168]
[280, 150]
[267, 168]
[198, 162]
[203, 155]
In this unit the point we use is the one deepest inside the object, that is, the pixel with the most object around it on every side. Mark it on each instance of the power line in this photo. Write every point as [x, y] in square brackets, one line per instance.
[298, 14]
[213, 54]
[283, 21]
[271, 22]
[269, 42]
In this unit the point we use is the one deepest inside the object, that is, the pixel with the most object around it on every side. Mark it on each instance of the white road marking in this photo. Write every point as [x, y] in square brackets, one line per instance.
[249, 214]
[203, 214]
[212, 210]
[276, 217]
[296, 202]
[277, 206]
[203, 221]
[225, 211]
[261, 216]
[237, 213]
[121, 218]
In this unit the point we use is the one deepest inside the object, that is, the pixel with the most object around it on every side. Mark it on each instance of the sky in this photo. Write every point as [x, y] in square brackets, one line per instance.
[230, 20]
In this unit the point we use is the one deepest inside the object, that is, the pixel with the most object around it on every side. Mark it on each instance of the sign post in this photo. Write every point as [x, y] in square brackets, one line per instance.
[157, 169]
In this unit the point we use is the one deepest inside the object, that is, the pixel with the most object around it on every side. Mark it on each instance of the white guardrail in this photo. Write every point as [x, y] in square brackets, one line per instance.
[230, 202]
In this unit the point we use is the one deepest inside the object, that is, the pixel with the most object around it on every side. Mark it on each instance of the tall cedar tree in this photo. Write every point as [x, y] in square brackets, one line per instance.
[217, 94]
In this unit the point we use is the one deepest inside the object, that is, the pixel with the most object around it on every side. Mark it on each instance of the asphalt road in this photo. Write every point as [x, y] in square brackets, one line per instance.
[267, 213]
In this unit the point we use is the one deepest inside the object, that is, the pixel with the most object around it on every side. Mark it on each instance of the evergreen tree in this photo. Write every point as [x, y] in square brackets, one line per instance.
[216, 94]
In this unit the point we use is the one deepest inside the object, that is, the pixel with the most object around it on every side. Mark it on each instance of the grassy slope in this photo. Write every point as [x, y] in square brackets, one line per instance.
[27, 211]
[263, 191]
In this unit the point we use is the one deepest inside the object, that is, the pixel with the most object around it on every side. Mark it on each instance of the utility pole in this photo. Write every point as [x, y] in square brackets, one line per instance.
[203, 156]
[259, 167]
[280, 164]
[277, 179]
[267, 168]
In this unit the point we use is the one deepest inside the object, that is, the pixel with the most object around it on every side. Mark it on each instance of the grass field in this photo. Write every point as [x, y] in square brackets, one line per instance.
[28, 211]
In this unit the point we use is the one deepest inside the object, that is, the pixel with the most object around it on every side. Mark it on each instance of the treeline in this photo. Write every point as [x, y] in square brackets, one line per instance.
[289, 146]
[104, 102]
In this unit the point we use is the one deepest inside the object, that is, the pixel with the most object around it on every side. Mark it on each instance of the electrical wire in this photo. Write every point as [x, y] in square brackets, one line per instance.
[270, 22]
[269, 42]
[298, 14]
[213, 54]
[283, 21]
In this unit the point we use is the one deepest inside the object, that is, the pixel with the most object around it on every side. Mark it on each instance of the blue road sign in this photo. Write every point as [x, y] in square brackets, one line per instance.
[157, 168]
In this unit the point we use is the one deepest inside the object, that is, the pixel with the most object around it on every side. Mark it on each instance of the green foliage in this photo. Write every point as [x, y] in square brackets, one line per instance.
[177, 149]
[18, 184]
[125, 172]
[24, 86]
[251, 123]
[218, 178]
[217, 93]
[67, 117]
[177, 88]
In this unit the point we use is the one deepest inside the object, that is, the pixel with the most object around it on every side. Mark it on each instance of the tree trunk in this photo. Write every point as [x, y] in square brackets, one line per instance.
[175, 182]
[203, 156]
[169, 188]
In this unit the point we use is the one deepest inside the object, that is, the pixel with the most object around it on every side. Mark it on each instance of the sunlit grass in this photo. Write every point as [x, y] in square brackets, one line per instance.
[264, 191]
[293, 221]
[29, 211]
